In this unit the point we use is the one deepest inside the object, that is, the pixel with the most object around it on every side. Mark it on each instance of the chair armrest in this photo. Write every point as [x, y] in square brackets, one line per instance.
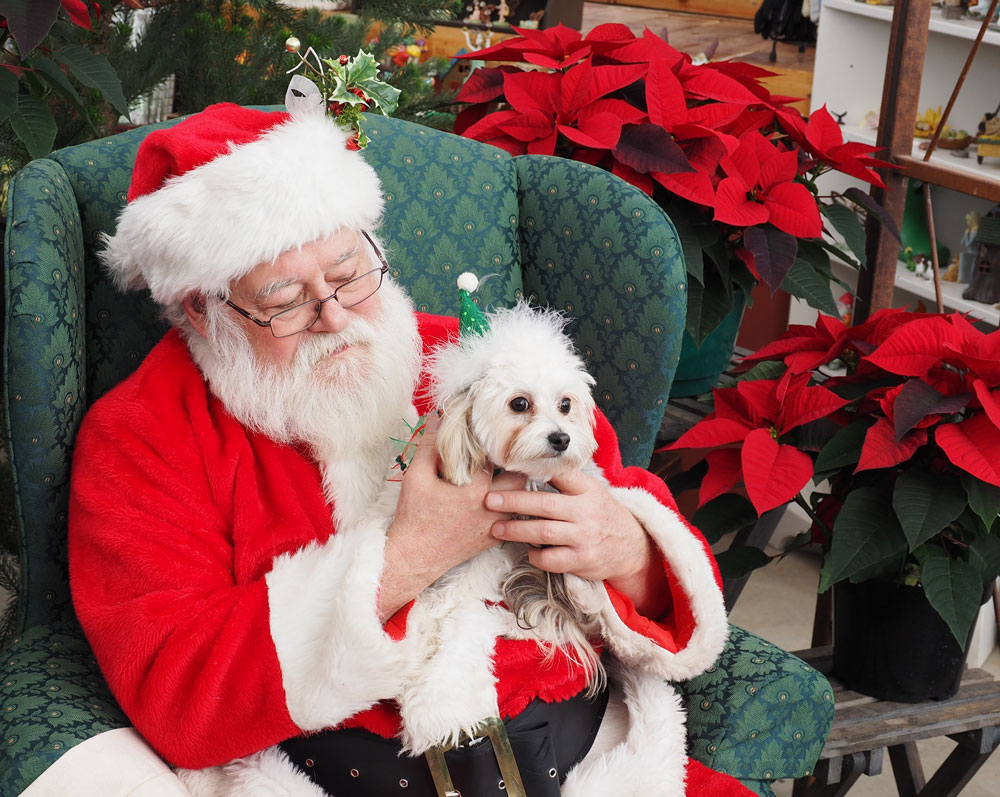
[53, 698]
[759, 713]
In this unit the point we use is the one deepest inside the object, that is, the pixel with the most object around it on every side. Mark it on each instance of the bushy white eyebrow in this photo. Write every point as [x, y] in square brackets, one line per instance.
[272, 288]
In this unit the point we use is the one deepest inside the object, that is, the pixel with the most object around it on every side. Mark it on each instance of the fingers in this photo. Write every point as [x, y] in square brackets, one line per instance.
[574, 482]
[426, 456]
[536, 531]
[538, 504]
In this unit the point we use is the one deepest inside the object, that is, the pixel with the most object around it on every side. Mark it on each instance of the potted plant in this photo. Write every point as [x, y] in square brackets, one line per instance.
[733, 165]
[902, 440]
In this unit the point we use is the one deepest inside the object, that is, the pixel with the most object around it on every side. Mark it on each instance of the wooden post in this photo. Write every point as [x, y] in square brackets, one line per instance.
[897, 117]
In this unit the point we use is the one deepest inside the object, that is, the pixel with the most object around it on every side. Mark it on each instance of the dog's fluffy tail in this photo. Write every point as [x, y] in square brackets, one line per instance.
[541, 602]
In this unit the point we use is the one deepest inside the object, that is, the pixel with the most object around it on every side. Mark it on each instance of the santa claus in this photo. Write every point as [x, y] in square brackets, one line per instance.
[238, 592]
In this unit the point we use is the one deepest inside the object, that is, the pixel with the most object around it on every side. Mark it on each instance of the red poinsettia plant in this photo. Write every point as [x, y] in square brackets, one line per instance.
[903, 431]
[733, 165]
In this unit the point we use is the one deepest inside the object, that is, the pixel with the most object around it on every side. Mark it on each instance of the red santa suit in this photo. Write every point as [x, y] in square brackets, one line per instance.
[177, 516]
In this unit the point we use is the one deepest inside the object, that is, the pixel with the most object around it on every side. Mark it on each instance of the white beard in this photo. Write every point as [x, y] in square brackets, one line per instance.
[345, 408]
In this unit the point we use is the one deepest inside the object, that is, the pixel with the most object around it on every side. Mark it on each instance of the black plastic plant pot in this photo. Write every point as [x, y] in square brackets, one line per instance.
[889, 643]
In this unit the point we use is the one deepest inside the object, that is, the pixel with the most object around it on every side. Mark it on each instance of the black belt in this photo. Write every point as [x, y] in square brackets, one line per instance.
[548, 740]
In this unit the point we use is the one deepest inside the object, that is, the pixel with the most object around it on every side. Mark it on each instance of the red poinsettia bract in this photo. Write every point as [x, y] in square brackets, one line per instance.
[922, 385]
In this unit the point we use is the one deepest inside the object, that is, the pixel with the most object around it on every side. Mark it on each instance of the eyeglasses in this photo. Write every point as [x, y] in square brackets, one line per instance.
[299, 318]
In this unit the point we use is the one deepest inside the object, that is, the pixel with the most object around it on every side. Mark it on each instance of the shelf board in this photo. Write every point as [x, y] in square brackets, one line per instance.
[951, 295]
[959, 28]
[960, 174]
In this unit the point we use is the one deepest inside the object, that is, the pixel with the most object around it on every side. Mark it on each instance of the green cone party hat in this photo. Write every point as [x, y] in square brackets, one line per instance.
[471, 320]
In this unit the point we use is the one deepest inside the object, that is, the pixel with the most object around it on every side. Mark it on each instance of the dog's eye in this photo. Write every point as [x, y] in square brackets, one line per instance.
[519, 404]
[564, 406]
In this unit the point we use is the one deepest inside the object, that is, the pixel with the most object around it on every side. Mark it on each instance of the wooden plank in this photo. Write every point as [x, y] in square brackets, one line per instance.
[938, 174]
[904, 67]
[739, 9]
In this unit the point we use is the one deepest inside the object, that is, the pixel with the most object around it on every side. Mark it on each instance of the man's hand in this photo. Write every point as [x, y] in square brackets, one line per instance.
[589, 534]
[437, 525]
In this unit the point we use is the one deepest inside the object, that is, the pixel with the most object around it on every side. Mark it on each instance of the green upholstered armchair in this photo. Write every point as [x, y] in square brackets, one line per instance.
[560, 232]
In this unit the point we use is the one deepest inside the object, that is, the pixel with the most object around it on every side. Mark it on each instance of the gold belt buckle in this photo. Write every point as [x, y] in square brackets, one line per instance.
[492, 727]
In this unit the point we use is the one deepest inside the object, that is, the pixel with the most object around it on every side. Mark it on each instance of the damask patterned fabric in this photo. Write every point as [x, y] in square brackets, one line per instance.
[54, 697]
[560, 232]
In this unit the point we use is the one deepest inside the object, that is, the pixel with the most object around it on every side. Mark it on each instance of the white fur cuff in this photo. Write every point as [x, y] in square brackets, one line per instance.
[691, 567]
[335, 657]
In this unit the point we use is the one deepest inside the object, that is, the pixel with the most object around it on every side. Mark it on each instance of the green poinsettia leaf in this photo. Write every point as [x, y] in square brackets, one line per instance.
[926, 503]
[94, 71]
[955, 590]
[9, 86]
[765, 369]
[843, 449]
[707, 306]
[984, 499]
[738, 562]
[846, 222]
[984, 555]
[726, 513]
[866, 540]
[804, 282]
[34, 124]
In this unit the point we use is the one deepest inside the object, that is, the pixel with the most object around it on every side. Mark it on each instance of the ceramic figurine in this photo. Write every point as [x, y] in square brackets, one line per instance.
[967, 257]
[988, 136]
[985, 285]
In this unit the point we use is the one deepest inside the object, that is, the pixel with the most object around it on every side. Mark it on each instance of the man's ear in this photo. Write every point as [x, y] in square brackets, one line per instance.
[194, 309]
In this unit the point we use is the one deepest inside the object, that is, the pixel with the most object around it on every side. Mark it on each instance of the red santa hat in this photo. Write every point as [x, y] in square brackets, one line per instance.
[230, 188]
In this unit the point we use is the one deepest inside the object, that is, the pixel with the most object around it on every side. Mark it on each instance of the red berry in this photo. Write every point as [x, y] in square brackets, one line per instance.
[343, 60]
[352, 144]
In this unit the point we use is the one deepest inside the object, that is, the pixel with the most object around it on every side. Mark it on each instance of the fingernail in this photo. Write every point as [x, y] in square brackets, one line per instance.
[499, 530]
[494, 501]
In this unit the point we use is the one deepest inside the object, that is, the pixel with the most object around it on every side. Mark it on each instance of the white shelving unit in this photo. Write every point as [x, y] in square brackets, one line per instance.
[851, 49]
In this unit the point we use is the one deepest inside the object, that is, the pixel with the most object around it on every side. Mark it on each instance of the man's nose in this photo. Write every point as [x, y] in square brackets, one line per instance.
[332, 317]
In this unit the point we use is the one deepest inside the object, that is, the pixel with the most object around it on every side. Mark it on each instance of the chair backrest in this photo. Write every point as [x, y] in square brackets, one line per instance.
[565, 234]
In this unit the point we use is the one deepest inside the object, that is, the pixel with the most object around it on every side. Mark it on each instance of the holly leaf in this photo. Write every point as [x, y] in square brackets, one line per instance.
[361, 72]
[954, 589]
[926, 503]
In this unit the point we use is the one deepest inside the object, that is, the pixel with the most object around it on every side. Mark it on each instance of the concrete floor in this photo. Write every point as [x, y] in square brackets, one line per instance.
[778, 604]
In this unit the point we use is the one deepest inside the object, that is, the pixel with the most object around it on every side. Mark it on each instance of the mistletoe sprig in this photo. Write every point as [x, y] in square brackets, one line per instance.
[348, 87]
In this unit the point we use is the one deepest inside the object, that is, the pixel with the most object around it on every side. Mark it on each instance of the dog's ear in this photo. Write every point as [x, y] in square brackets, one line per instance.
[460, 453]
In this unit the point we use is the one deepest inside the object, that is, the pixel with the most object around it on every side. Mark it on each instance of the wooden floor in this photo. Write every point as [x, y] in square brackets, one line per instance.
[732, 38]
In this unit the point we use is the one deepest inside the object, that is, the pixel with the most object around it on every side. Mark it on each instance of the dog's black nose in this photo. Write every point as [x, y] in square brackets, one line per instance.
[559, 441]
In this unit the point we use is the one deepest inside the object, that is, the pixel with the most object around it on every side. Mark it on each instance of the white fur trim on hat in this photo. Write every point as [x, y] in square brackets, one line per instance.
[295, 184]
